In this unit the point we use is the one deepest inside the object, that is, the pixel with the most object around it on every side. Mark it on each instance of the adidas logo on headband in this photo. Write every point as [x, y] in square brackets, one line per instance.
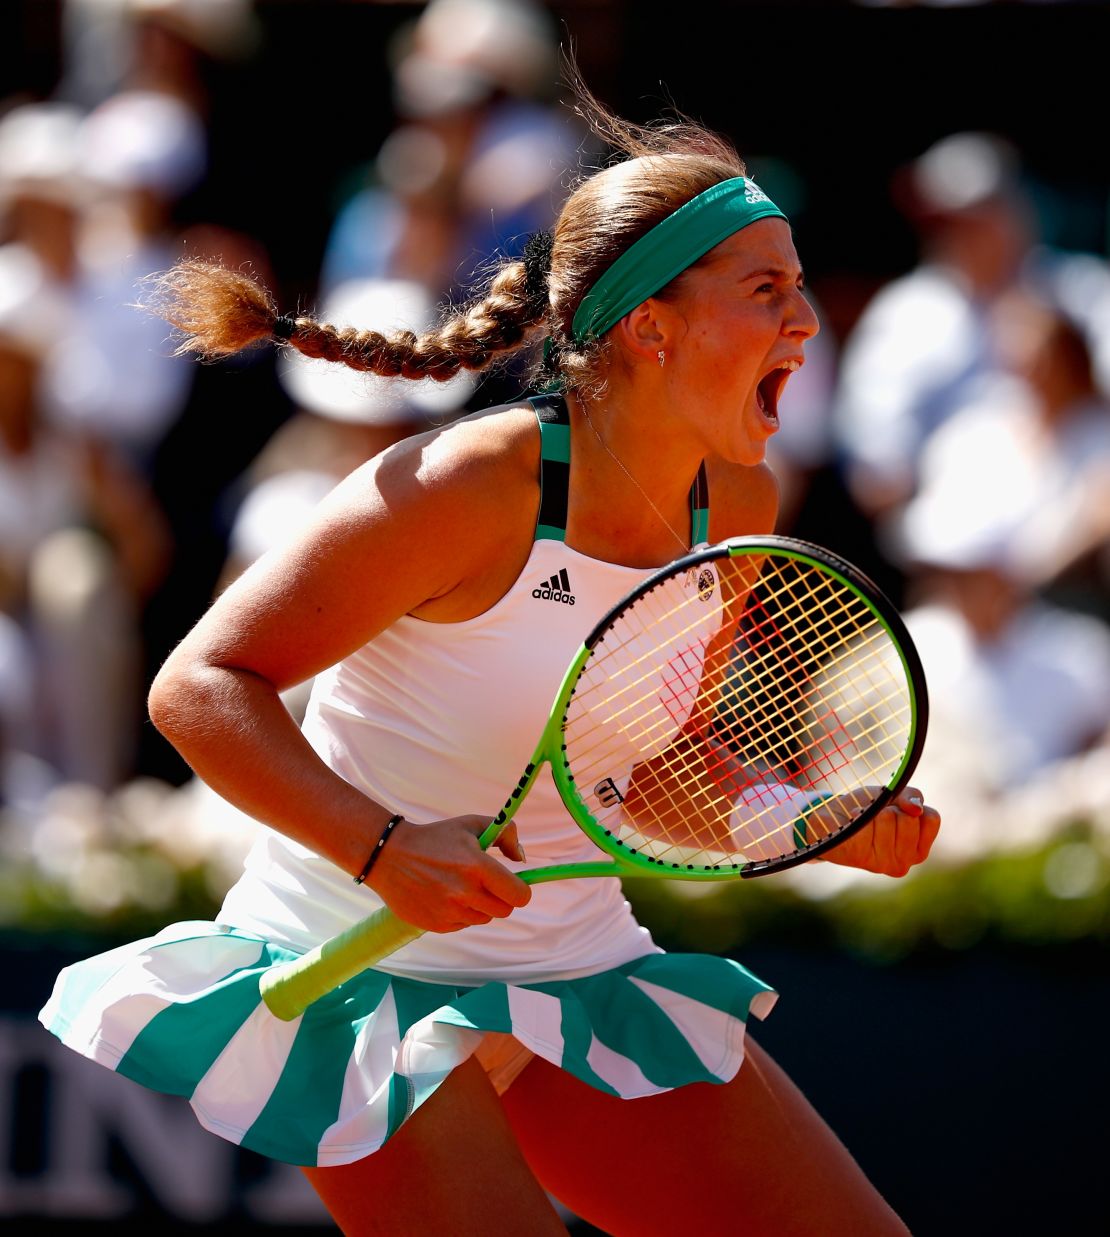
[753, 193]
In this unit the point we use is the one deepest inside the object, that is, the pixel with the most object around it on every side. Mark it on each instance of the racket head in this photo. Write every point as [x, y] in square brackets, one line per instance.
[743, 709]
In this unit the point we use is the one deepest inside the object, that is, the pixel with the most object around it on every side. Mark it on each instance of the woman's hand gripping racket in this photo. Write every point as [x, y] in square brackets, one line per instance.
[744, 709]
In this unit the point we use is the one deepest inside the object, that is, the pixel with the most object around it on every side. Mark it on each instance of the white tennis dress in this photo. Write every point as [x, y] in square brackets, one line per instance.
[432, 721]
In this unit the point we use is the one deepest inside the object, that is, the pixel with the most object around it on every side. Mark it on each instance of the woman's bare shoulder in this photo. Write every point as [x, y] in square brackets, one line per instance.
[433, 526]
[460, 503]
[467, 452]
[483, 462]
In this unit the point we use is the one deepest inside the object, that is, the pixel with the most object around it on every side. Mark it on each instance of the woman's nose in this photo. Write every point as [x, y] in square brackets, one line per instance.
[803, 322]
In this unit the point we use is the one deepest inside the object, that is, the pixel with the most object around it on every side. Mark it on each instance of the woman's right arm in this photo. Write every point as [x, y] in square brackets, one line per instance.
[374, 551]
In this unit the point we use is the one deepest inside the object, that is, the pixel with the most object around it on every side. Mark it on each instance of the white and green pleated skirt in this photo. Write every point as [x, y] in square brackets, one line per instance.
[180, 1012]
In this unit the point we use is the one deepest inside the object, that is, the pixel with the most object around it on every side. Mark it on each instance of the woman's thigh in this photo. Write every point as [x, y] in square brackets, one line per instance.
[453, 1168]
[749, 1158]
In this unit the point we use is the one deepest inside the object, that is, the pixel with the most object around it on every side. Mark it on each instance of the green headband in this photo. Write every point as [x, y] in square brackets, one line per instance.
[667, 250]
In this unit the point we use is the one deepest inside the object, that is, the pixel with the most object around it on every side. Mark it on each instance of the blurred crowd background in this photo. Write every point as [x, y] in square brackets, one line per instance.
[950, 432]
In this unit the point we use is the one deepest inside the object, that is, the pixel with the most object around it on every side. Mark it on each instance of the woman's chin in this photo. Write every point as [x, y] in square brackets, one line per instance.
[749, 452]
[750, 447]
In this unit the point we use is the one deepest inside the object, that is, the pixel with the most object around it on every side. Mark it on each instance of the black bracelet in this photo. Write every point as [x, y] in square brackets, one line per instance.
[390, 825]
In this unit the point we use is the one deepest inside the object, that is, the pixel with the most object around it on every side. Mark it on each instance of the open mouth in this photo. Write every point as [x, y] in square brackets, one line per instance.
[770, 389]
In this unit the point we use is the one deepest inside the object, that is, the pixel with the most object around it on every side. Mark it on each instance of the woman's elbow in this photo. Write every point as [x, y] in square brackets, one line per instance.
[171, 695]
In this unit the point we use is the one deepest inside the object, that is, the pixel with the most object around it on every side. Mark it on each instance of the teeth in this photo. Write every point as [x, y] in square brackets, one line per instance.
[790, 365]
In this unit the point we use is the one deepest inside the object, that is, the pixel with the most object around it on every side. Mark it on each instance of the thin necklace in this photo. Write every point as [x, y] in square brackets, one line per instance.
[647, 497]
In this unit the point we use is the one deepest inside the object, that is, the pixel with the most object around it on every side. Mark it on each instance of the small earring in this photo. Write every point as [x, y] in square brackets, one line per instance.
[662, 357]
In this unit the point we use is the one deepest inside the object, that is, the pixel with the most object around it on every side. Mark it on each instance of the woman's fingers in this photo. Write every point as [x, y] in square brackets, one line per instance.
[915, 826]
[896, 838]
[911, 801]
[437, 877]
[899, 837]
[496, 880]
[481, 905]
[930, 827]
[504, 885]
[508, 843]
[494, 895]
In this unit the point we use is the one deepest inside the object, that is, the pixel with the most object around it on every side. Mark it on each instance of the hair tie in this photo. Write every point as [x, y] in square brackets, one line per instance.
[283, 327]
[537, 266]
[549, 372]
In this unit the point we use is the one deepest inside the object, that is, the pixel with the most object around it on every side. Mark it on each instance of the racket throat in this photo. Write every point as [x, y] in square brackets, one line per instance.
[550, 742]
[496, 826]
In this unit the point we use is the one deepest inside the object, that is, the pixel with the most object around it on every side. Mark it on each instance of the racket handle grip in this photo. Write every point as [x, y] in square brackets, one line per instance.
[288, 990]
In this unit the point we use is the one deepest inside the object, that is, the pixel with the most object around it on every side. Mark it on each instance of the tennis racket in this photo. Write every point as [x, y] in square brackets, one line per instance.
[742, 710]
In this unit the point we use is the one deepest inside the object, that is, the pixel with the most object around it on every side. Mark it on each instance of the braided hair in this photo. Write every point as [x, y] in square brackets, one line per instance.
[219, 312]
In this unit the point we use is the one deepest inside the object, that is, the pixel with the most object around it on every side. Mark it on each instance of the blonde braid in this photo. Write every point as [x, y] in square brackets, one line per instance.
[219, 312]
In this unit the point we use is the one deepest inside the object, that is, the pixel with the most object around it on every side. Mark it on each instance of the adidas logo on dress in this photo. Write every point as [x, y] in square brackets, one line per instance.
[556, 589]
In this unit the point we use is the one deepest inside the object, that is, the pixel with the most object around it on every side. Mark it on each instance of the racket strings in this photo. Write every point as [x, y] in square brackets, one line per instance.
[785, 680]
[777, 689]
[803, 649]
[633, 633]
[731, 772]
[823, 743]
[627, 632]
[774, 690]
[777, 715]
[788, 677]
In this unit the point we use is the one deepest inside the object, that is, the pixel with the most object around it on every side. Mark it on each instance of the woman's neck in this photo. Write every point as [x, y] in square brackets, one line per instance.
[630, 478]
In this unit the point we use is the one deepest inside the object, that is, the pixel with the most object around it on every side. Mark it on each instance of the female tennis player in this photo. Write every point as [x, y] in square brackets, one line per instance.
[531, 1041]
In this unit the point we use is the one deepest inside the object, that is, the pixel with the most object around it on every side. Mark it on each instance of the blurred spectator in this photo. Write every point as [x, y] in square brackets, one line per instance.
[1016, 687]
[37, 470]
[925, 341]
[90, 392]
[1017, 684]
[17, 693]
[112, 377]
[1079, 285]
[109, 384]
[1068, 530]
[474, 167]
[42, 191]
[141, 150]
[64, 582]
[1045, 429]
[86, 379]
[150, 45]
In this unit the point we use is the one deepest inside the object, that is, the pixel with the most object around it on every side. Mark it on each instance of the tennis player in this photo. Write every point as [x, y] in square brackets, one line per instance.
[535, 1040]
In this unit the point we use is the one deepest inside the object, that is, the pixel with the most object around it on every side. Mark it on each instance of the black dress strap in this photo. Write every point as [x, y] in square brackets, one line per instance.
[699, 507]
[554, 419]
[551, 523]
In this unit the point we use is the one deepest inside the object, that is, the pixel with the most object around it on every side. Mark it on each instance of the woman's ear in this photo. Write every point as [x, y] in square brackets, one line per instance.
[647, 329]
